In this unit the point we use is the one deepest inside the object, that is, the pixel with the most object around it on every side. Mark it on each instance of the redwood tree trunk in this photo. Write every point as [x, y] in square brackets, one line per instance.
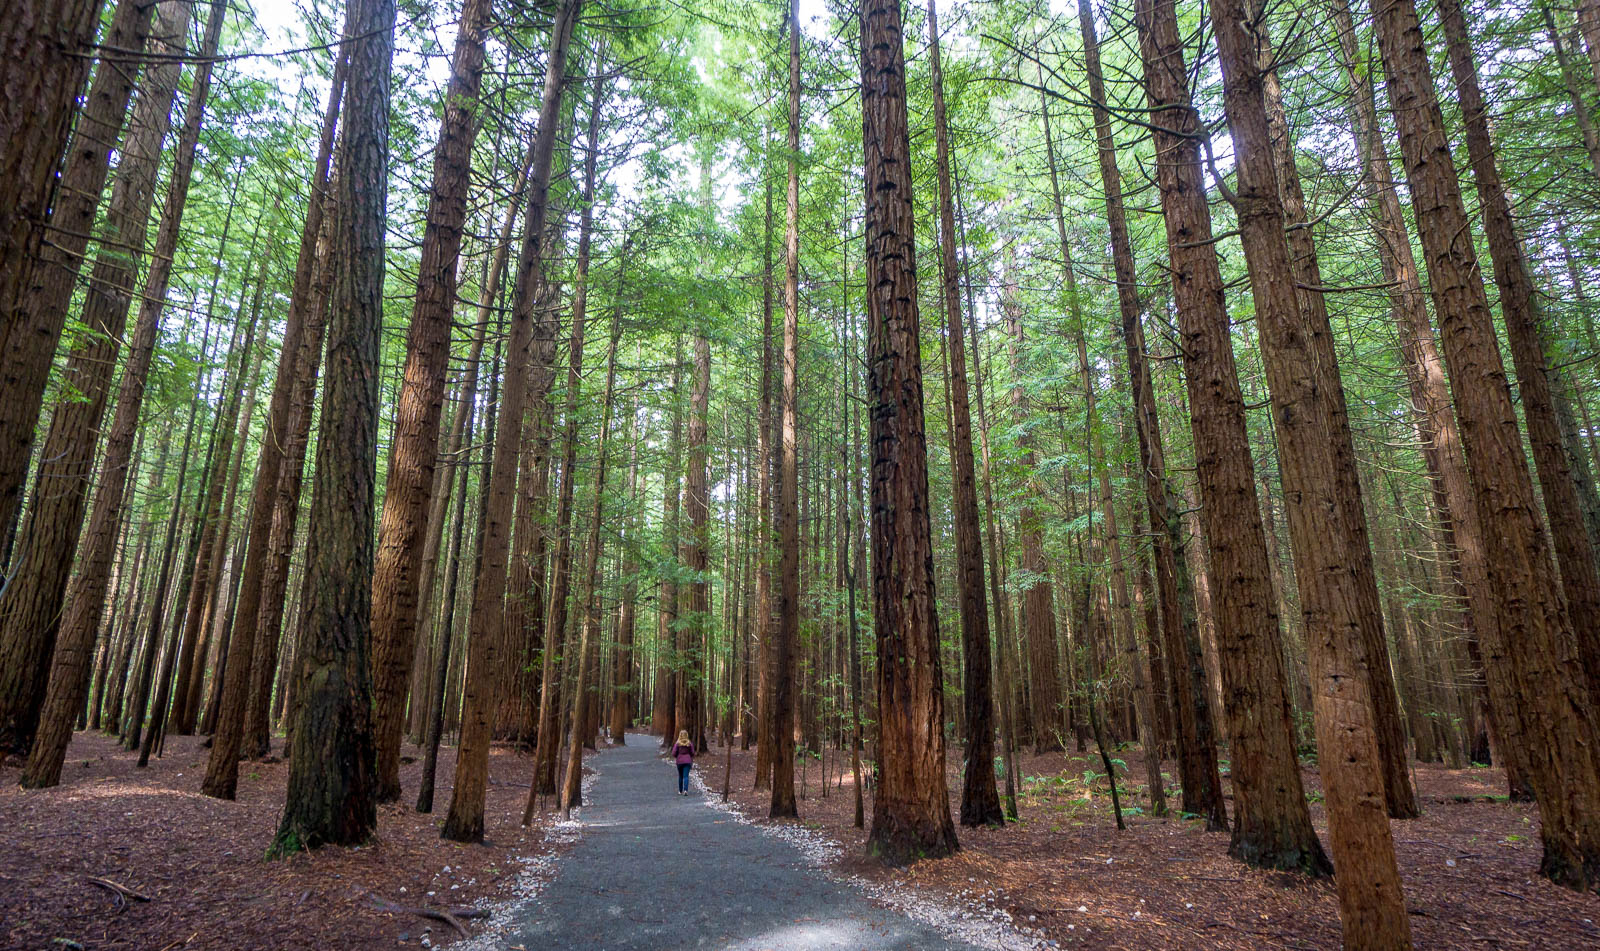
[402, 531]
[911, 810]
[232, 692]
[696, 507]
[1322, 515]
[42, 68]
[31, 600]
[465, 821]
[787, 511]
[980, 801]
[1272, 827]
[332, 786]
[1425, 375]
[765, 625]
[41, 76]
[1519, 307]
[1549, 705]
[86, 600]
[1589, 23]
[1401, 799]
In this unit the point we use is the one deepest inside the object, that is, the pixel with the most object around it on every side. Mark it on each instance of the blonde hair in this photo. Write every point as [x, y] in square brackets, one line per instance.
[683, 738]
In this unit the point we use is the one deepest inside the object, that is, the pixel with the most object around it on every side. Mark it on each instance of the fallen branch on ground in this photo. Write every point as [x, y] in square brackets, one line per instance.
[122, 892]
[451, 918]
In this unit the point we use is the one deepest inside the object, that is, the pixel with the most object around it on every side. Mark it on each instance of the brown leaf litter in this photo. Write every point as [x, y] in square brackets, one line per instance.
[1470, 864]
[76, 860]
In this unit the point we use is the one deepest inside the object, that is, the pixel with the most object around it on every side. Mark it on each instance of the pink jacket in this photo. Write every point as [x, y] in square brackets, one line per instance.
[684, 755]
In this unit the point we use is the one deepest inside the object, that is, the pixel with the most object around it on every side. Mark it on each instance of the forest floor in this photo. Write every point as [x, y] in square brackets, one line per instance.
[201, 861]
[1470, 864]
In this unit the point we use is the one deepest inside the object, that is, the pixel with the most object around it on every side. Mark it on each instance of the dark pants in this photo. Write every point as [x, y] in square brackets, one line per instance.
[683, 777]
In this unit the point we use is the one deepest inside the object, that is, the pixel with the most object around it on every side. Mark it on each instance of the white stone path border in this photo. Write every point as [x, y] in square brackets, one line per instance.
[962, 917]
[537, 871]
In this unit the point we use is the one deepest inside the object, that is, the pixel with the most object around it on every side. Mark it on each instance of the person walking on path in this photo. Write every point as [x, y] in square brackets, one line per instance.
[683, 755]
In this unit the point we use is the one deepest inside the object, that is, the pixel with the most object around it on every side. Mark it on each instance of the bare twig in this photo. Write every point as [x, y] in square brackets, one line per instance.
[122, 892]
[451, 918]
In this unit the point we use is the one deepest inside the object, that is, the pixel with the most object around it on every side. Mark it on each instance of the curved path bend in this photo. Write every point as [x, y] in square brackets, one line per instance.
[656, 871]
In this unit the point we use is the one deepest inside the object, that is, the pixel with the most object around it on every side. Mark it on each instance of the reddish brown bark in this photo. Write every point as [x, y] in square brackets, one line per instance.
[1519, 308]
[401, 532]
[980, 802]
[1322, 513]
[786, 511]
[1589, 23]
[1425, 373]
[1400, 797]
[911, 810]
[696, 550]
[87, 598]
[332, 785]
[1546, 699]
[232, 691]
[765, 624]
[1272, 827]
[42, 68]
[33, 323]
[465, 821]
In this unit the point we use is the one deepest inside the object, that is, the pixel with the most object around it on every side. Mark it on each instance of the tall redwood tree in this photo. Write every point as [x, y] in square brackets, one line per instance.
[910, 808]
[332, 785]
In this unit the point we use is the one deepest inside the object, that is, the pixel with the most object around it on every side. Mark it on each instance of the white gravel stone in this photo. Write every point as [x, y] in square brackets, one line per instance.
[979, 924]
[536, 871]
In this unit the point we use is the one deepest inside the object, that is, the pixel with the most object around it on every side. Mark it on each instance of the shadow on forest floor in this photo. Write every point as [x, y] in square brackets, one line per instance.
[1470, 864]
[201, 861]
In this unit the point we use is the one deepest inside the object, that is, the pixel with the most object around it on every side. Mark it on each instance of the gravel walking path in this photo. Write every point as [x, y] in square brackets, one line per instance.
[659, 871]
